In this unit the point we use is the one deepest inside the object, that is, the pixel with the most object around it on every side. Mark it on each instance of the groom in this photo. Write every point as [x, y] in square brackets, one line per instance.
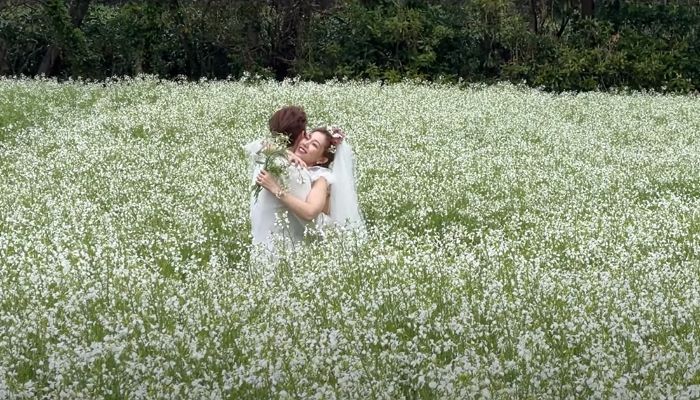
[267, 215]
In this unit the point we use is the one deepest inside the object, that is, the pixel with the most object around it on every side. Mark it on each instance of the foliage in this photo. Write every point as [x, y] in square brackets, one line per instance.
[628, 44]
[132, 39]
[639, 49]
[24, 39]
[425, 41]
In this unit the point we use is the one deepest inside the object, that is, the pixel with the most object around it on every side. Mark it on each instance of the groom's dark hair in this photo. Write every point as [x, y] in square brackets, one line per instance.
[289, 121]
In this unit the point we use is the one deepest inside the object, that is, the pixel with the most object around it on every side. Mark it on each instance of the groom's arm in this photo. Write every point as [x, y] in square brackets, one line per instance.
[253, 148]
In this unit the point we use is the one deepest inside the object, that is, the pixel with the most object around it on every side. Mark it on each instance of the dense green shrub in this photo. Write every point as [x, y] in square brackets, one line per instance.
[132, 39]
[379, 43]
[393, 41]
[23, 38]
[634, 46]
[638, 48]
[627, 44]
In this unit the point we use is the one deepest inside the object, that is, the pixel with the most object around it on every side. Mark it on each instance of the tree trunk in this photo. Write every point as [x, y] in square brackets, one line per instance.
[533, 16]
[138, 64]
[50, 60]
[562, 26]
[294, 17]
[192, 64]
[587, 7]
[4, 65]
[77, 12]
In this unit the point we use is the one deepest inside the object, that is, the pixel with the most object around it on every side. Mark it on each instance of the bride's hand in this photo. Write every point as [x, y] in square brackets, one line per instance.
[295, 160]
[266, 180]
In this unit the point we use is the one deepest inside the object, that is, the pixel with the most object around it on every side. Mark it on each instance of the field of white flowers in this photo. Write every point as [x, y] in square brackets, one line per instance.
[521, 245]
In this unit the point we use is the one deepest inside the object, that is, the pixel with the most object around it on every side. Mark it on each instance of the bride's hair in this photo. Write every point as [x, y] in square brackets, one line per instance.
[289, 121]
[328, 152]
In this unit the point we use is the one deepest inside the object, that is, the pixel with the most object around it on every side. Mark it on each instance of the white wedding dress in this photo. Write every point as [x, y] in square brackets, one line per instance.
[273, 225]
[314, 174]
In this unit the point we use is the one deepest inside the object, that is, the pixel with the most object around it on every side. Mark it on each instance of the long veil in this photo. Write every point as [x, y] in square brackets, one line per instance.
[344, 207]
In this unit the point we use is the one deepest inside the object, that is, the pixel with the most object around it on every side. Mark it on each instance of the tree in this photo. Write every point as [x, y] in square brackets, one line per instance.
[293, 18]
[4, 64]
[66, 21]
[533, 16]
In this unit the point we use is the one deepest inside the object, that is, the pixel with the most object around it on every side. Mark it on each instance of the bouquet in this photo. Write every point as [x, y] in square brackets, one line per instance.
[273, 158]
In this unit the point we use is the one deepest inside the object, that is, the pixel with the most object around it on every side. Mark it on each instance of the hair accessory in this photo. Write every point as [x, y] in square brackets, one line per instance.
[337, 137]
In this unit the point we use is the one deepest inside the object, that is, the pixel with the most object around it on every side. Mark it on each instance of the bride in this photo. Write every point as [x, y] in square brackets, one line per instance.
[322, 194]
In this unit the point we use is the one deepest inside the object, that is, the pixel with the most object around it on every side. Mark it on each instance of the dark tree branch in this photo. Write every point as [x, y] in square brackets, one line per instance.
[563, 26]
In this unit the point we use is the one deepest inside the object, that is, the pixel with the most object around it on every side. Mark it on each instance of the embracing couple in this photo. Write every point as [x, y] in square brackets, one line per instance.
[318, 190]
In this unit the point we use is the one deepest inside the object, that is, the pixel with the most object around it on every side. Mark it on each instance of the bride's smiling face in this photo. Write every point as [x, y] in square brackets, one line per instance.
[312, 148]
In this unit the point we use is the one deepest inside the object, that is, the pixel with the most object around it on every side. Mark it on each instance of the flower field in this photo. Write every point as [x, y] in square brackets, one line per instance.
[521, 245]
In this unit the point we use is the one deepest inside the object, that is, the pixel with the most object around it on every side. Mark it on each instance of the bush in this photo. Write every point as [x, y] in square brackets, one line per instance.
[132, 39]
[641, 48]
[629, 45]
[23, 38]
